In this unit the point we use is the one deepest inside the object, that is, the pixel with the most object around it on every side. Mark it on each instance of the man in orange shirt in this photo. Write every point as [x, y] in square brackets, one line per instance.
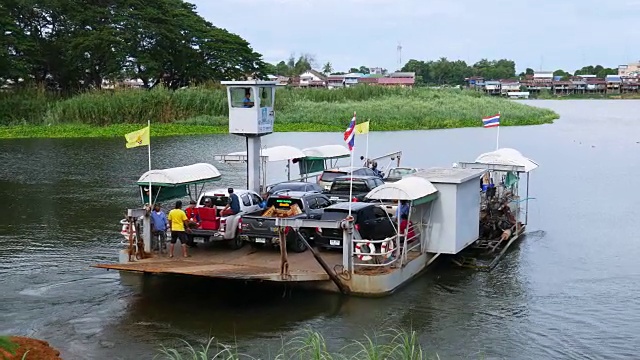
[179, 227]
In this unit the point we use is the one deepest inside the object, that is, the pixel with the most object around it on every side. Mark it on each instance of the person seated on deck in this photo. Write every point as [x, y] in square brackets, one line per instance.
[193, 214]
[194, 221]
[233, 205]
[247, 102]
[404, 223]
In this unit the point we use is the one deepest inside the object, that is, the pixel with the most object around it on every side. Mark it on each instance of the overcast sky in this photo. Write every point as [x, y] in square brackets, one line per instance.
[551, 34]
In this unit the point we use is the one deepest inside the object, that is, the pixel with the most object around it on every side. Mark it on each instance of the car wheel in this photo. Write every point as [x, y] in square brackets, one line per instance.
[295, 243]
[236, 243]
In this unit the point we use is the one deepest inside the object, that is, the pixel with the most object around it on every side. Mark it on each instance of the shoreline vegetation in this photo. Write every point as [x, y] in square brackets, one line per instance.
[388, 345]
[35, 113]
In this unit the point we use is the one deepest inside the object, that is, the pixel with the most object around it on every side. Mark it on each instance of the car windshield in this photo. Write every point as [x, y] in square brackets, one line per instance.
[359, 186]
[218, 199]
[395, 173]
[284, 202]
[329, 176]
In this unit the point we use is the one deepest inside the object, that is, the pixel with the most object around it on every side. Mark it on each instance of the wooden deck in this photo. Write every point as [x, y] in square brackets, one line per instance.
[244, 264]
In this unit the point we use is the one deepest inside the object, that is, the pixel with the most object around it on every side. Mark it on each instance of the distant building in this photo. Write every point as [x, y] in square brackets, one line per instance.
[629, 70]
[376, 70]
[312, 78]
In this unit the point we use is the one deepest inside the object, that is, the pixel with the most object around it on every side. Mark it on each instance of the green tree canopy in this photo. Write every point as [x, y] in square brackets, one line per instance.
[76, 44]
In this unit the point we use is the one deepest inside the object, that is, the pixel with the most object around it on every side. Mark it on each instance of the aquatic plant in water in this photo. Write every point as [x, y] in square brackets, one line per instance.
[311, 345]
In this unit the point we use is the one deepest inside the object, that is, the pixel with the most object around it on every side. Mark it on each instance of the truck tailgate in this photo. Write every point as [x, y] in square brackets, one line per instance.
[259, 226]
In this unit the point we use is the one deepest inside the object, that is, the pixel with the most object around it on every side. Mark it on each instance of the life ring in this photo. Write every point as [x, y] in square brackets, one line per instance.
[361, 255]
[387, 246]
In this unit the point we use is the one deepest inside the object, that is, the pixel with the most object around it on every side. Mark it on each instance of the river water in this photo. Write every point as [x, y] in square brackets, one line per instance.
[569, 291]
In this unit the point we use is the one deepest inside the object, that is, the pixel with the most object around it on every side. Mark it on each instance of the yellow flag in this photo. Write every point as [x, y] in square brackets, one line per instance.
[138, 138]
[362, 128]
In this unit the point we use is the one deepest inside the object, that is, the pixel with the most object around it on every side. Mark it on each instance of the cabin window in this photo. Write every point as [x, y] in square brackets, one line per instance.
[266, 98]
[323, 203]
[242, 97]
[256, 199]
[246, 201]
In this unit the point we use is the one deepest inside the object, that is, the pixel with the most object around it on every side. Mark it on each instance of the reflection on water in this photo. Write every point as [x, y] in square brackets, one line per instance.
[565, 292]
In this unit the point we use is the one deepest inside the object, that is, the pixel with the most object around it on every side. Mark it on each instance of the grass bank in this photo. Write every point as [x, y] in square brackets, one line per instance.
[203, 110]
[390, 345]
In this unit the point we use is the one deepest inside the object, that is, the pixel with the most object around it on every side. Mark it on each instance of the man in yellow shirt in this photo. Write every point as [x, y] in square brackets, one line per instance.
[179, 228]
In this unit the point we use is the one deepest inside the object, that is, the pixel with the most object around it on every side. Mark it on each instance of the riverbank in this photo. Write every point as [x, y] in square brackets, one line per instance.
[203, 110]
[24, 348]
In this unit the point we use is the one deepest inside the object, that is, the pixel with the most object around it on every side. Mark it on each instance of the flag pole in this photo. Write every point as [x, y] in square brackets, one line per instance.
[149, 152]
[498, 133]
[366, 152]
[351, 178]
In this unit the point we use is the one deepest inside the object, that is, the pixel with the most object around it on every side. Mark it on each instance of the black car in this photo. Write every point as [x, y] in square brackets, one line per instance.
[371, 221]
[356, 185]
[294, 186]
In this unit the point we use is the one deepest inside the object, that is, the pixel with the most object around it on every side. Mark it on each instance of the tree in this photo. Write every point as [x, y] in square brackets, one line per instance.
[282, 69]
[327, 68]
[363, 70]
[75, 44]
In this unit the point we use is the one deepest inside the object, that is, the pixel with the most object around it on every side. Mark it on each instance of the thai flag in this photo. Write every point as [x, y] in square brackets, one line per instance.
[350, 133]
[491, 121]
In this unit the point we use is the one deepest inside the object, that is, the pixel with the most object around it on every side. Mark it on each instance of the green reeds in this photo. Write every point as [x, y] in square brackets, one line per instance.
[204, 110]
[390, 345]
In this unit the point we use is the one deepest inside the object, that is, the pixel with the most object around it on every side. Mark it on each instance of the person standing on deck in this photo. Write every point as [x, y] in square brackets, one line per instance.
[160, 224]
[403, 209]
[179, 228]
[233, 206]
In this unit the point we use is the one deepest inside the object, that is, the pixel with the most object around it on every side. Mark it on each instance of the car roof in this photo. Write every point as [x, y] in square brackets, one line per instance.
[345, 169]
[287, 183]
[224, 192]
[296, 194]
[355, 206]
[356, 177]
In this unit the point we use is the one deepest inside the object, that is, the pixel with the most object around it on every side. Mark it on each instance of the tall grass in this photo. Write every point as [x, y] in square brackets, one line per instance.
[390, 345]
[296, 109]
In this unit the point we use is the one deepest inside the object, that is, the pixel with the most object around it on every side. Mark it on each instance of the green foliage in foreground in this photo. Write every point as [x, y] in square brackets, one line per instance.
[392, 345]
[7, 345]
[204, 110]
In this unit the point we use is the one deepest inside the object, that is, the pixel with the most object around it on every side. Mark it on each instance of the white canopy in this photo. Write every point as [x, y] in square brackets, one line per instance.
[408, 188]
[507, 156]
[327, 151]
[276, 153]
[196, 173]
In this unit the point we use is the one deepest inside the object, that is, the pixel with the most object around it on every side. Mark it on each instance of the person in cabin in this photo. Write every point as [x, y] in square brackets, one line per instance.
[247, 102]
[179, 224]
[208, 203]
[233, 205]
[263, 203]
[159, 224]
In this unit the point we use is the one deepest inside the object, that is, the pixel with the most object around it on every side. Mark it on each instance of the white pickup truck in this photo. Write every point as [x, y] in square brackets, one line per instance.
[225, 228]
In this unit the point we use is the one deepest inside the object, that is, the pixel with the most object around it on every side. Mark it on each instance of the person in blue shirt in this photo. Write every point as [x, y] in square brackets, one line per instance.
[159, 224]
[233, 206]
[246, 102]
[263, 203]
[403, 209]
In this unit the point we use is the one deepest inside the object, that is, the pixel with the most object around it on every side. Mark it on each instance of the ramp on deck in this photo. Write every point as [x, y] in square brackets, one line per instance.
[242, 264]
